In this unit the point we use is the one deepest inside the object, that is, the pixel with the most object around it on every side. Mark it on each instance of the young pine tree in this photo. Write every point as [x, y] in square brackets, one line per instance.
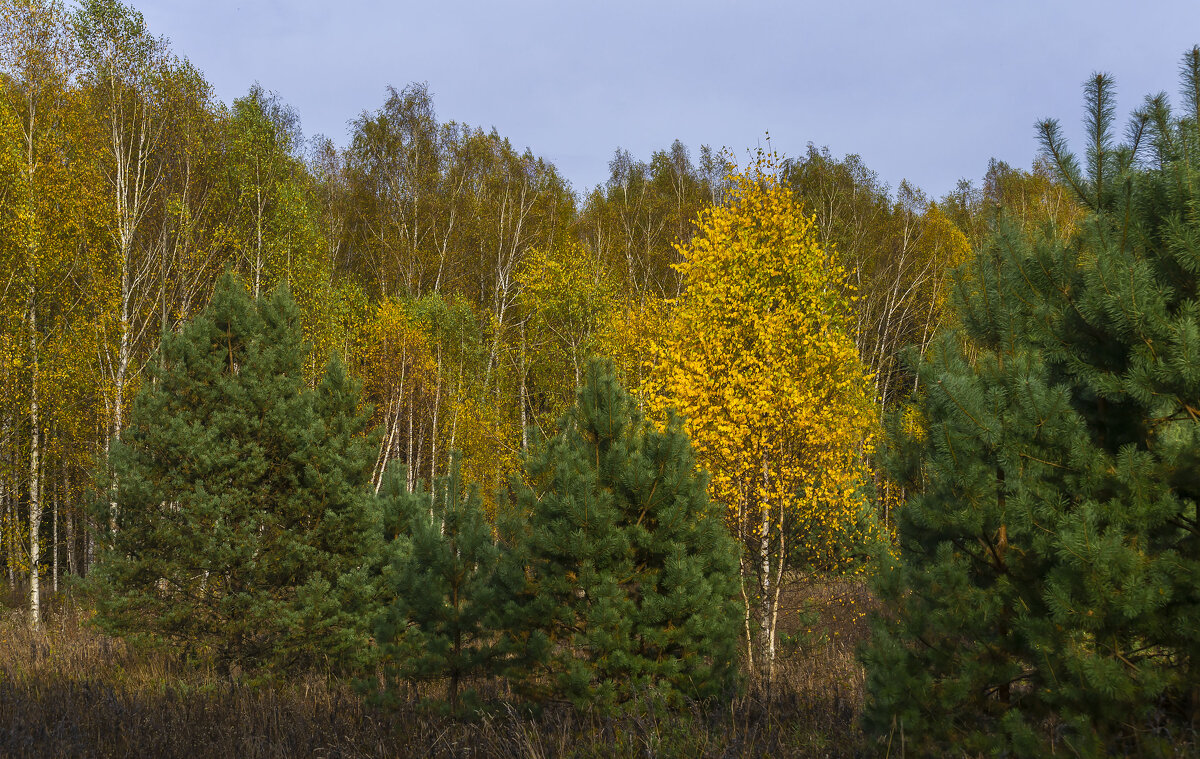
[1047, 598]
[242, 519]
[439, 621]
[631, 574]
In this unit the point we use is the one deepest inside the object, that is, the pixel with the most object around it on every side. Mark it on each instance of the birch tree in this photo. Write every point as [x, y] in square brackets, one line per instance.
[896, 250]
[633, 222]
[39, 56]
[263, 134]
[407, 193]
[124, 67]
[760, 362]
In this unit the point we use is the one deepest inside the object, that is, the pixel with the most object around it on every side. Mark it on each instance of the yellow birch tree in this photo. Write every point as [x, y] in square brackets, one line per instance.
[761, 364]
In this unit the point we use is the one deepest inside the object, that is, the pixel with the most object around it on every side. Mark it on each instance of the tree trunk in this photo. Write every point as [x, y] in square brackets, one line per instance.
[745, 577]
[258, 251]
[457, 405]
[766, 584]
[123, 351]
[437, 402]
[393, 421]
[35, 503]
[778, 588]
[745, 570]
[72, 567]
[412, 470]
[8, 547]
[54, 512]
[766, 643]
[523, 398]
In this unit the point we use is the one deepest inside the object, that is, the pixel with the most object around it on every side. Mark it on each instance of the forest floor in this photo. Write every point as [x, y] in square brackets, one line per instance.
[70, 691]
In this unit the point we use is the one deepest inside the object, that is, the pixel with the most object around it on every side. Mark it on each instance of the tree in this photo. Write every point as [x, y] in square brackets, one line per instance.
[518, 204]
[194, 248]
[407, 190]
[1046, 598]
[761, 364]
[246, 526]
[566, 297]
[896, 252]
[446, 209]
[440, 618]
[263, 135]
[402, 380]
[39, 57]
[631, 578]
[14, 218]
[272, 223]
[272, 216]
[125, 68]
[634, 221]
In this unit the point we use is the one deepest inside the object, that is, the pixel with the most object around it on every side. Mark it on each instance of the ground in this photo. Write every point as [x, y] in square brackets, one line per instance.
[69, 691]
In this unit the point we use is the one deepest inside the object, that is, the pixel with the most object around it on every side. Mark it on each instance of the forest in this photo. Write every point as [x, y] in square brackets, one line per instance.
[412, 448]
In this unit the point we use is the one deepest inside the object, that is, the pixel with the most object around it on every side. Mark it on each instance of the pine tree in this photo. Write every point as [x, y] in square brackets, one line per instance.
[1048, 593]
[632, 576]
[245, 525]
[440, 619]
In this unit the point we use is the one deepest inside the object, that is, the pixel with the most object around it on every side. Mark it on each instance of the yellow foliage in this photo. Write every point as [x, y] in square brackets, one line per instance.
[565, 296]
[759, 361]
[335, 320]
[948, 247]
[398, 362]
[632, 337]
[423, 404]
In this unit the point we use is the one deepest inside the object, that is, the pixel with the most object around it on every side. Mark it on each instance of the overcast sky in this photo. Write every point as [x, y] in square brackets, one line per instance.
[924, 90]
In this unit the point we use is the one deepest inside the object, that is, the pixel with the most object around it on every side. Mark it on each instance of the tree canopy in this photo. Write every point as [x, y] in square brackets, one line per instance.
[760, 363]
[244, 524]
[1045, 593]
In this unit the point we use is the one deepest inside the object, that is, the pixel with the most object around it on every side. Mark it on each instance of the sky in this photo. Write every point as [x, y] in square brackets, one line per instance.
[922, 90]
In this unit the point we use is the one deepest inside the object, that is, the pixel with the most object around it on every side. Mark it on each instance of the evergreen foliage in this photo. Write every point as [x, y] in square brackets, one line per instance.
[1047, 597]
[243, 525]
[631, 574]
[440, 620]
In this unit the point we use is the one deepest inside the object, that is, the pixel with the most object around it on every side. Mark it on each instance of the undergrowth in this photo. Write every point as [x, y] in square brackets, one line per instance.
[70, 691]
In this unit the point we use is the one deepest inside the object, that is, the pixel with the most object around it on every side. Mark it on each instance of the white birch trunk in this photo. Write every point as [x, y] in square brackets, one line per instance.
[35, 502]
[7, 544]
[437, 402]
[258, 238]
[412, 470]
[766, 600]
[393, 420]
[54, 513]
[775, 599]
[72, 566]
[524, 395]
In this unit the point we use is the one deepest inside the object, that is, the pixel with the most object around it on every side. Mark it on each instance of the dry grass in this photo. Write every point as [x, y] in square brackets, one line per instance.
[69, 691]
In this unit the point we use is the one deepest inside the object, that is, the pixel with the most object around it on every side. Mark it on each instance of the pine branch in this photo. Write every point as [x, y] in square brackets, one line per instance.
[1099, 96]
[1067, 166]
[1189, 72]
[1157, 114]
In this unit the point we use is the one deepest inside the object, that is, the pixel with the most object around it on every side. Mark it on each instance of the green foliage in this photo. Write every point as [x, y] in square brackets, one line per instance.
[567, 297]
[242, 523]
[271, 224]
[1048, 594]
[114, 33]
[439, 619]
[631, 575]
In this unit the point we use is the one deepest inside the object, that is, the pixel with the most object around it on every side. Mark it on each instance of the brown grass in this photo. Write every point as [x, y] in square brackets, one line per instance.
[69, 691]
